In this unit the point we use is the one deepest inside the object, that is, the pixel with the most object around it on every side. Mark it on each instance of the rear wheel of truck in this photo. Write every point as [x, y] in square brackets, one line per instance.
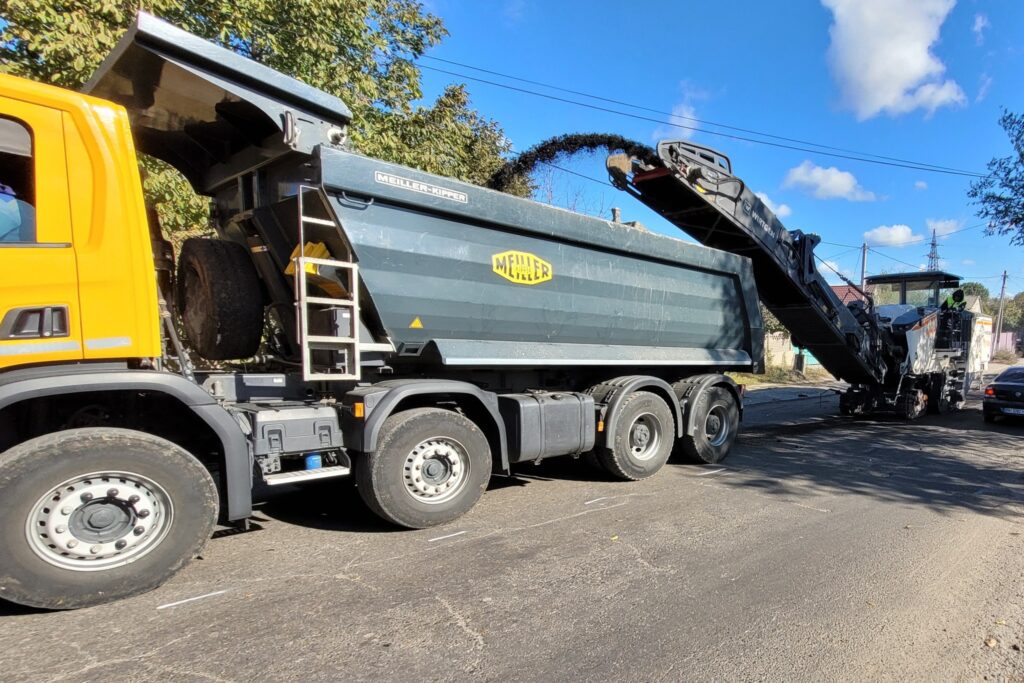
[716, 422]
[98, 514]
[430, 467]
[643, 438]
[219, 299]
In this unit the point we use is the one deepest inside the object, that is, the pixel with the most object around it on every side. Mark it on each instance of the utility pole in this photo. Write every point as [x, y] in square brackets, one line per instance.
[999, 315]
[933, 255]
[863, 265]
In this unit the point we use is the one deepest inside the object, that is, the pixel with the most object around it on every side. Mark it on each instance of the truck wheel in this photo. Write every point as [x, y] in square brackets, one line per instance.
[643, 438]
[98, 514]
[430, 467]
[716, 423]
[219, 299]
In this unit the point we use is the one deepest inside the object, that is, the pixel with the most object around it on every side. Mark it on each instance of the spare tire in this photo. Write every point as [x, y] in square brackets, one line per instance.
[219, 299]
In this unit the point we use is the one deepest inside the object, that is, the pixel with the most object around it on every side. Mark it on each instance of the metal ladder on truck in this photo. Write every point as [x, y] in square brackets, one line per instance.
[340, 312]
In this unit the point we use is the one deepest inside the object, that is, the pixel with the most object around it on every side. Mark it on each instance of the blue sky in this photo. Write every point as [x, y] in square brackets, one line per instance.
[923, 80]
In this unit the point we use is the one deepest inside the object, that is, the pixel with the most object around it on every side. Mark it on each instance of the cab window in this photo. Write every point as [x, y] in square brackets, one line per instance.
[17, 183]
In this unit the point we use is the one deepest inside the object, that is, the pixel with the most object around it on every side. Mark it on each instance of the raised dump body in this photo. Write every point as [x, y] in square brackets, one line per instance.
[499, 281]
[452, 274]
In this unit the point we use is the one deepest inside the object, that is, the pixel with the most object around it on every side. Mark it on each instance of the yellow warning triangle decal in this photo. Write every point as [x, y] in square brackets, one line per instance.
[416, 324]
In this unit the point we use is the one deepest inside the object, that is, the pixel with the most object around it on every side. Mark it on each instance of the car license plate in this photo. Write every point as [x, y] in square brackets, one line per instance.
[1013, 411]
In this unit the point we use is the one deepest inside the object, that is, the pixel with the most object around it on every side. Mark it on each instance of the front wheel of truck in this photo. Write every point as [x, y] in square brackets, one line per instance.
[430, 467]
[98, 514]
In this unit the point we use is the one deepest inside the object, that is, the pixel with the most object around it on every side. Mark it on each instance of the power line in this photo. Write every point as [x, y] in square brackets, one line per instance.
[892, 258]
[640, 107]
[913, 165]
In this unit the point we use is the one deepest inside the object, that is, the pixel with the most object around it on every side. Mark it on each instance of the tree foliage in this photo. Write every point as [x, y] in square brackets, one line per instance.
[1000, 195]
[976, 289]
[360, 50]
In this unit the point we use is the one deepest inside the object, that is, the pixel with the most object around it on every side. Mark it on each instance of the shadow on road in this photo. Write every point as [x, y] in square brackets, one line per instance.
[944, 462]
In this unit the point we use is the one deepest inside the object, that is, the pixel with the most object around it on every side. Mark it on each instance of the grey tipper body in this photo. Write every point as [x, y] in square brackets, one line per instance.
[617, 295]
[367, 319]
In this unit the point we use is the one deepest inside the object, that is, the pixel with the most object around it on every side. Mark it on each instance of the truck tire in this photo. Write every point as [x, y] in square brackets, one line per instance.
[219, 299]
[643, 438]
[716, 423]
[430, 467]
[98, 514]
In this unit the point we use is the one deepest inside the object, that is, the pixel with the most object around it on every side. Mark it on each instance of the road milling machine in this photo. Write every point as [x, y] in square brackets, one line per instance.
[907, 344]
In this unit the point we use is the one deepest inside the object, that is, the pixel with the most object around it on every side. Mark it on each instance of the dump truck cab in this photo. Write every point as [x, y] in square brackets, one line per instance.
[78, 283]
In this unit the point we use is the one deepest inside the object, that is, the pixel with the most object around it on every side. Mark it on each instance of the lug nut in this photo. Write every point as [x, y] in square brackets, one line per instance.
[86, 497]
[66, 511]
[61, 529]
[121, 544]
[138, 531]
[111, 493]
[72, 543]
[143, 514]
[95, 549]
[133, 499]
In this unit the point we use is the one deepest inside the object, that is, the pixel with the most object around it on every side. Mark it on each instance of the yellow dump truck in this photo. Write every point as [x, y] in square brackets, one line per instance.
[410, 330]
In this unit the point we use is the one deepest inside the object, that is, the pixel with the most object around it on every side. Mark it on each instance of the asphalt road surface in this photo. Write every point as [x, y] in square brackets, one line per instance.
[825, 548]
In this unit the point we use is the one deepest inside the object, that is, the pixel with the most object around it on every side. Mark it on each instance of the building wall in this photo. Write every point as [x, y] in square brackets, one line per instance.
[778, 350]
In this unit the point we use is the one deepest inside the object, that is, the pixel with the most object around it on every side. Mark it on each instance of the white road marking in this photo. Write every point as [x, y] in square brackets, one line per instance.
[198, 597]
[596, 500]
[704, 474]
[441, 538]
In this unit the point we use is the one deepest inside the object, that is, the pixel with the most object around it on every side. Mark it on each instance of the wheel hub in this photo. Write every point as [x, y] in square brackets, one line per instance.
[716, 426]
[100, 520]
[644, 436]
[436, 470]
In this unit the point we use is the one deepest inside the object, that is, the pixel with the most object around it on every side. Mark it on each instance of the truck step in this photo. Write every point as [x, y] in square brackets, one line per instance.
[306, 475]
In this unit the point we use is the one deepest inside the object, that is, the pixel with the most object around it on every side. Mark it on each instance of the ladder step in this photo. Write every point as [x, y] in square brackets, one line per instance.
[317, 221]
[306, 475]
[325, 262]
[334, 341]
[325, 301]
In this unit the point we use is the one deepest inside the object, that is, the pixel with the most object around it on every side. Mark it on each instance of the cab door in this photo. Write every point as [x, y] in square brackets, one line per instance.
[39, 311]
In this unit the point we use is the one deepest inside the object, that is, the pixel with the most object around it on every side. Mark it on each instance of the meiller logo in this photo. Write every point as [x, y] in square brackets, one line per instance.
[422, 188]
[521, 267]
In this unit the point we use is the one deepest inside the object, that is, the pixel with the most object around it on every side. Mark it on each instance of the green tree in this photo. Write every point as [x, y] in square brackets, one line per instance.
[975, 289]
[1000, 195]
[360, 50]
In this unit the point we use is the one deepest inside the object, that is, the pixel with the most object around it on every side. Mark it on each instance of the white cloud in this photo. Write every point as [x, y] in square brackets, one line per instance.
[968, 262]
[881, 56]
[780, 210]
[980, 24]
[891, 236]
[986, 85]
[943, 226]
[920, 185]
[827, 183]
[683, 113]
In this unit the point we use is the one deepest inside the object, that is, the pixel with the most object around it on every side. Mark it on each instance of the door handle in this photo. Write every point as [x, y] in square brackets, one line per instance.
[35, 322]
